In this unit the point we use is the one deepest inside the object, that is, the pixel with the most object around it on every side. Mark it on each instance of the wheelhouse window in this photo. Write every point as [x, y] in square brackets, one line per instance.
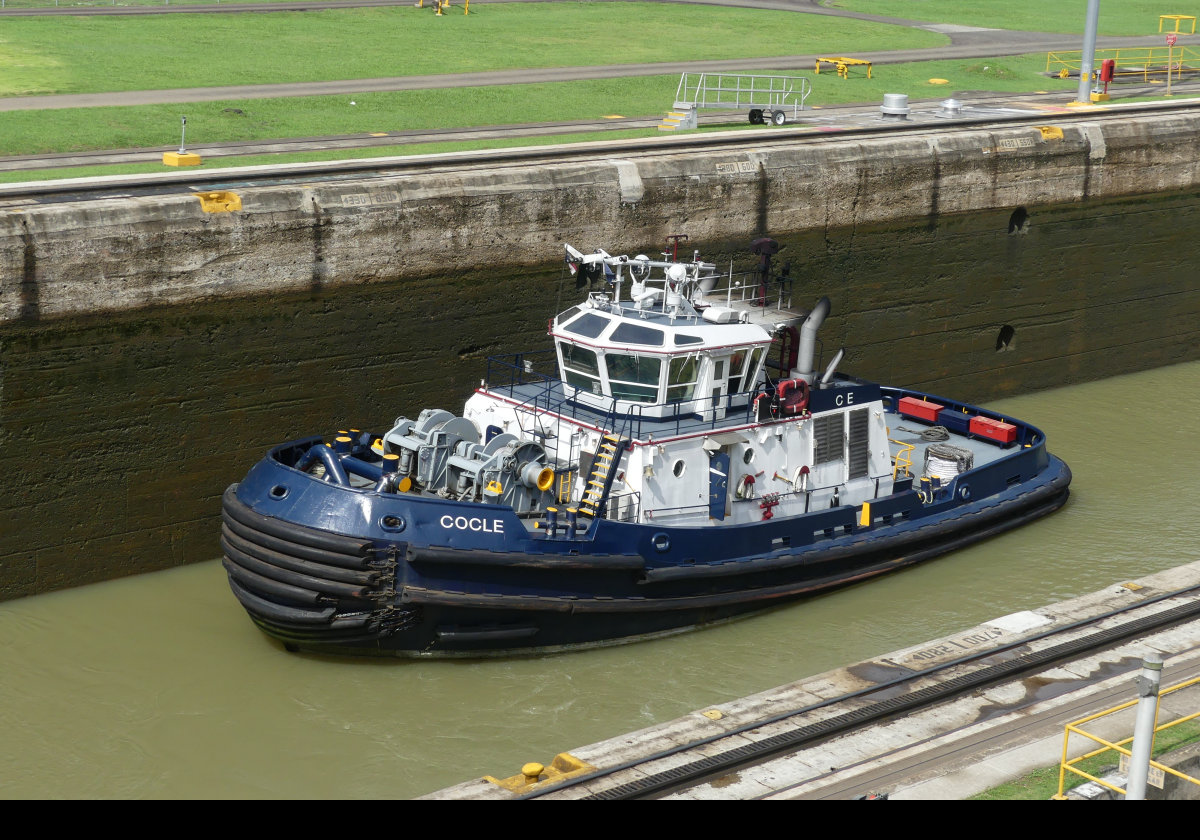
[737, 364]
[633, 377]
[752, 371]
[588, 325]
[681, 377]
[627, 333]
[580, 367]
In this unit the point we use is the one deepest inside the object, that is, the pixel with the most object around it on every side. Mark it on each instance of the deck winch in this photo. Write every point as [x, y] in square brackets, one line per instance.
[443, 454]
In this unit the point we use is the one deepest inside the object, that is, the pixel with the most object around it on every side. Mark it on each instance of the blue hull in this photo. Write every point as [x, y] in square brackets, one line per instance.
[328, 568]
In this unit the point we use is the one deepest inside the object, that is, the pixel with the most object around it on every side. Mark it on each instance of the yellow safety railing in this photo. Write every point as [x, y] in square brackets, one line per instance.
[1071, 765]
[843, 65]
[1178, 20]
[444, 4]
[1130, 61]
[903, 459]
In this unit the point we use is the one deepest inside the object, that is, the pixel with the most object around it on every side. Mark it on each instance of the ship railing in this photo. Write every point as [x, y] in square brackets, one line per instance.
[675, 512]
[623, 507]
[519, 369]
[752, 288]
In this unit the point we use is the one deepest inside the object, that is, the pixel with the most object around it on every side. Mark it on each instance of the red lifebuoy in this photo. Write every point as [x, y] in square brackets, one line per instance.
[792, 403]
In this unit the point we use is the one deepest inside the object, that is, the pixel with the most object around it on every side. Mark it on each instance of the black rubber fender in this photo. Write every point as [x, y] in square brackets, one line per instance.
[327, 587]
[296, 564]
[257, 606]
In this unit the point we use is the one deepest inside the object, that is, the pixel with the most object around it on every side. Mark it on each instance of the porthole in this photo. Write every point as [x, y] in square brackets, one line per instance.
[661, 542]
[748, 457]
[278, 492]
[678, 468]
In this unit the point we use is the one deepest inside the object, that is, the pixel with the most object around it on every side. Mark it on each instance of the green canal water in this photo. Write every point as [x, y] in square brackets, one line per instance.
[158, 686]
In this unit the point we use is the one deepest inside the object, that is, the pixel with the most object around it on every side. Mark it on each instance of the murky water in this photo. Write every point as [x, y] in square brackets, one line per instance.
[158, 686]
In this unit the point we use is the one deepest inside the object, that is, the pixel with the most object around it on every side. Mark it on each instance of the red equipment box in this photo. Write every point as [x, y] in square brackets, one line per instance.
[996, 430]
[920, 409]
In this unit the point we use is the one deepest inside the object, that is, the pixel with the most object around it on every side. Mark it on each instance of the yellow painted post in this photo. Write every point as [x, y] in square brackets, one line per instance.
[467, 8]
[865, 519]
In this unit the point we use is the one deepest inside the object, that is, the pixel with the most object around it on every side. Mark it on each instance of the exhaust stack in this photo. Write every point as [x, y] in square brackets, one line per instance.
[808, 342]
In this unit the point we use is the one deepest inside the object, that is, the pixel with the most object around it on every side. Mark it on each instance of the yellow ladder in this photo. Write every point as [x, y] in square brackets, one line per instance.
[599, 479]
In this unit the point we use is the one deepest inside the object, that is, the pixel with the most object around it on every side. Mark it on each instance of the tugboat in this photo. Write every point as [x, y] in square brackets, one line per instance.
[677, 459]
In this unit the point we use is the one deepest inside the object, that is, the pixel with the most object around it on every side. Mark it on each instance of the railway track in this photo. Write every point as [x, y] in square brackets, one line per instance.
[721, 756]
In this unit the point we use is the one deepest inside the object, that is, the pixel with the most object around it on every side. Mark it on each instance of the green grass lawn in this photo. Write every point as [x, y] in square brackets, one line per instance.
[100, 54]
[1127, 17]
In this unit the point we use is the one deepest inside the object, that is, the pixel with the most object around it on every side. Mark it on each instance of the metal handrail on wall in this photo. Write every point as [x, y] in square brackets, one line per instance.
[1130, 61]
[1070, 765]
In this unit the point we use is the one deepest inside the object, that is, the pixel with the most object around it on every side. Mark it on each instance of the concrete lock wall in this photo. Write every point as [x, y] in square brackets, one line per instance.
[74, 258]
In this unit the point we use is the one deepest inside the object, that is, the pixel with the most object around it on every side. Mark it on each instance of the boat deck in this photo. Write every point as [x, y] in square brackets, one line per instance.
[902, 432]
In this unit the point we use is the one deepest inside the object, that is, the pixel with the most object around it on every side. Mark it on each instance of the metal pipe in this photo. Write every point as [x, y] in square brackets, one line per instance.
[1143, 729]
[832, 369]
[333, 467]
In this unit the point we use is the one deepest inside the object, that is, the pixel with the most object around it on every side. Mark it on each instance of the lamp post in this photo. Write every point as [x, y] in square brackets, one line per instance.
[1084, 93]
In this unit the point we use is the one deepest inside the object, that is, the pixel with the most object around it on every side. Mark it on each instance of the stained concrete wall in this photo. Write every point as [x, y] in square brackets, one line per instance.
[83, 257]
